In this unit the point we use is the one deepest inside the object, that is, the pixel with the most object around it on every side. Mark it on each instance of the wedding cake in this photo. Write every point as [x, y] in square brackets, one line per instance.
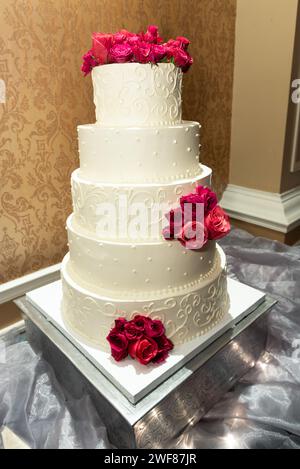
[140, 154]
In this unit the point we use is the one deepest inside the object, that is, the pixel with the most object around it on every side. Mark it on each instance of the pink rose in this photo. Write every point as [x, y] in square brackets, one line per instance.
[208, 197]
[101, 46]
[126, 33]
[142, 51]
[164, 347]
[154, 328]
[132, 331]
[193, 235]
[158, 53]
[217, 223]
[172, 43]
[118, 344]
[89, 62]
[120, 53]
[183, 42]
[143, 350]
[175, 223]
[119, 38]
[133, 40]
[152, 35]
[182, 59]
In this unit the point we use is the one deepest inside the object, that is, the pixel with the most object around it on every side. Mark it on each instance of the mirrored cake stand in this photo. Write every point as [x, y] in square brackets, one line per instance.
[145, 407]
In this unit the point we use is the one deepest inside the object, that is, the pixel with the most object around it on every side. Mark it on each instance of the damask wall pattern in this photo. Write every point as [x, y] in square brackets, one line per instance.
[46, 97]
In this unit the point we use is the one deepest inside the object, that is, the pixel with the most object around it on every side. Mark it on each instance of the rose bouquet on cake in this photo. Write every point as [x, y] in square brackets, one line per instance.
[197, 219]
[142, 338]
[125, 47]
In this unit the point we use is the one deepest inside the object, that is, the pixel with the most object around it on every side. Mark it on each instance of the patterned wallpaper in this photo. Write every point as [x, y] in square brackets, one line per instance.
[41, 43]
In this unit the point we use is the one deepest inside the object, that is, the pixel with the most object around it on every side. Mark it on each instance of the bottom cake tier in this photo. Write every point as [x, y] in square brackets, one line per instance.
[186, 313]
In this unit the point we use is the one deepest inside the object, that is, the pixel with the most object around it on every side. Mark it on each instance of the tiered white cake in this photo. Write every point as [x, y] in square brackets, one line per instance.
[141, 150]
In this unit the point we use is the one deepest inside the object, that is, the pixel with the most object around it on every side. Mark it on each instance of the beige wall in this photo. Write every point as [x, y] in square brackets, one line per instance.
[265, 32]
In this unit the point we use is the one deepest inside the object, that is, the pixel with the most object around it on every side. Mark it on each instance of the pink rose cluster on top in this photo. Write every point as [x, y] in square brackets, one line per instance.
[192, 232]
[142, 338]
[148, 47]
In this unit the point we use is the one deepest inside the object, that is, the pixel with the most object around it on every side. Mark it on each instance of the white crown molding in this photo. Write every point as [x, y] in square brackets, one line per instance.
[18, 287]
[279, 212]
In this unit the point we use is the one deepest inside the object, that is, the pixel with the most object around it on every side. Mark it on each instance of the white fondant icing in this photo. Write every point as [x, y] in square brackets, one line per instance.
[186, 313]
[100, 158]
[137, 94]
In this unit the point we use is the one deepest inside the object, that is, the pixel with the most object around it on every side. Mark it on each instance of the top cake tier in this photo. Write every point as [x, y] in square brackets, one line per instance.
[137, 94]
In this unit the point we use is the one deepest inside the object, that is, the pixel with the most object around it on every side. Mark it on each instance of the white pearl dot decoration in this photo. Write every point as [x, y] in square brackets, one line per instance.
[201, 258]
[134, 271]
[100, 245]
[197, 135]
[175, 141]
[189, 149]
[169, 269]
[133, 246]
[147, 280]
[155, 153]
[187, 129]
[149, 259]
[115, 259]
[170, 245]
[185, 274]
[183, 252]
[100, 266]
[157, 132]
[174, 164]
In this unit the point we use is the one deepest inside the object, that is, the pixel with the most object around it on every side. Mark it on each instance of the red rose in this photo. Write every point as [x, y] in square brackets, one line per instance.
[139, 321]
[120, 53]
[154, 328]
[118, 344]
[193, 235]
[143, 350]
[175, 223]
[119, 324]
[101, 46]
[208, 197]
[183, 42]
[217, 223]
[133, 331]
[89, 62]
[164, 346]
